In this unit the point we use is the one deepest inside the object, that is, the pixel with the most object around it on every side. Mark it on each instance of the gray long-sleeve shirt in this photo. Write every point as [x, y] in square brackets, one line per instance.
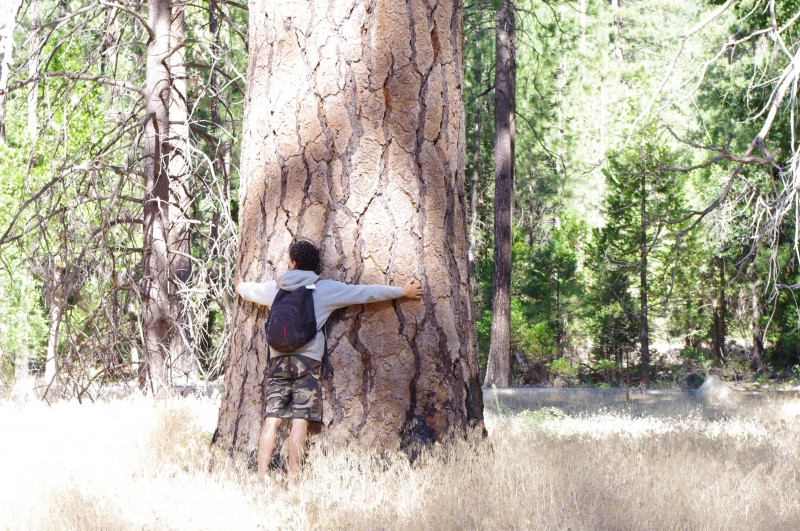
[329, 295]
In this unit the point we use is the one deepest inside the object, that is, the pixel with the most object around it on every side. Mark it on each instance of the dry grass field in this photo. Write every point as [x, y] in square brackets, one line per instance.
[137, 464]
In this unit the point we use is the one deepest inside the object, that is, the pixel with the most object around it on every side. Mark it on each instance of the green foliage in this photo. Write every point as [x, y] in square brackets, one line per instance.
[540, 420]
[546, 291]
[85, 168]
[635, 252]
[23, 326]
[692, 354]
[562, 367]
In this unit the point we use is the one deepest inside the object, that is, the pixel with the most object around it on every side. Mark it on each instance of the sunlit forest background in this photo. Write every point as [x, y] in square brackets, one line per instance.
[654, 209]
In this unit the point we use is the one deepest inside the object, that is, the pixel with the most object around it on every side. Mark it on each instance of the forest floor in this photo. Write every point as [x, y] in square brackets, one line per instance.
[136, 463]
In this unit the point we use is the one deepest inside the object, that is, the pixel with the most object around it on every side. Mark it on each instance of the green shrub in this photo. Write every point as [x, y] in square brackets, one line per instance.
[562, 367]
[538, 420]
[692, 354]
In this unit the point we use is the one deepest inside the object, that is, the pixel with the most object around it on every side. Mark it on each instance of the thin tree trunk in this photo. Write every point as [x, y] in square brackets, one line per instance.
[222, 170]
[57, 296]
[474, 192]
[222, 150]
[158, 323]
[8, 22]
[719, 309]
[33, 69]
[644, 328]
[559, 325]
[617, 30]
[183, 363]
[498, 370]
[354, 139]
[723, 309]
[757, 351]
[582, 47]
[22, 357]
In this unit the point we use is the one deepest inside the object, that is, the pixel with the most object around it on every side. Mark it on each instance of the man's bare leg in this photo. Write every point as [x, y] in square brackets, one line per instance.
[266, 443]
[296, 447]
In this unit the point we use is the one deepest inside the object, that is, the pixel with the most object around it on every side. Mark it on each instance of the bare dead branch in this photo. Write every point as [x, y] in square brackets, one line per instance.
[102, 80]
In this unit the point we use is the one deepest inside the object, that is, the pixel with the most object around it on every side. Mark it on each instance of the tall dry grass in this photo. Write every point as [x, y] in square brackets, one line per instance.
[138, 464]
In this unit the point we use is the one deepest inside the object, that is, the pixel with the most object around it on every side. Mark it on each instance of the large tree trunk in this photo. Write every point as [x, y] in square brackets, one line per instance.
[8, 21]
[498, 370]
[354, 139]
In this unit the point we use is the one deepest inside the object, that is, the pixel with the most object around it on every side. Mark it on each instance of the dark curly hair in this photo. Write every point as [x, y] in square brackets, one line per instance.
[305, 255]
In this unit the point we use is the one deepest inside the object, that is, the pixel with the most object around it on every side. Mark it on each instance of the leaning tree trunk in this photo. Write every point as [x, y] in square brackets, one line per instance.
[8, 21]
[498, 369]
[354, 139]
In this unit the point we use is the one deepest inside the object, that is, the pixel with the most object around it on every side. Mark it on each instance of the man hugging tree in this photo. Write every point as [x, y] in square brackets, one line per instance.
[294, 389]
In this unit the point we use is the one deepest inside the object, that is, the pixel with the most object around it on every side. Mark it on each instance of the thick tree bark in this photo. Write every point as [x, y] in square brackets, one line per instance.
[498, 370]
[354, 139]
[8, 21]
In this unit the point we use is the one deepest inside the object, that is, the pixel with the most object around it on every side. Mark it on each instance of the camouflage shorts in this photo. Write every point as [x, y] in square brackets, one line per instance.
[294, 388]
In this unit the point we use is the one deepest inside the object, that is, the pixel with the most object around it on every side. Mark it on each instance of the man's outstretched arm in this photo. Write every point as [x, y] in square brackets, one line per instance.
[258, 292]
[339, 294]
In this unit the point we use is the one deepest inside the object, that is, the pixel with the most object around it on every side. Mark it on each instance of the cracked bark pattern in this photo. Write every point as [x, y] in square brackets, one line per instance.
[354, 139]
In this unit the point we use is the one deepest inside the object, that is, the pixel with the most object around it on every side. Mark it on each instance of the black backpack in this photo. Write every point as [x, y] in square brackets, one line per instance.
[292, 322]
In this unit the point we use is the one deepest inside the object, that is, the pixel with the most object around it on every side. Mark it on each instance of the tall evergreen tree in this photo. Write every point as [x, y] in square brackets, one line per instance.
[643, 197]
[498, 370]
